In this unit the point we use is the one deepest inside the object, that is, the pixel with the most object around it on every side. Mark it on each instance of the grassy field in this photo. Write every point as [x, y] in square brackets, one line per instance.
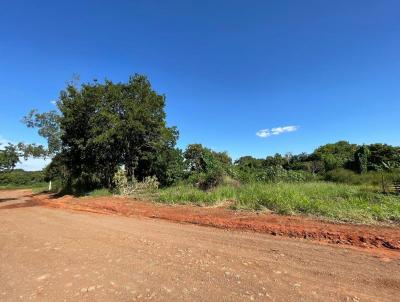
[38, 187]
[35, 187]
[336, 202]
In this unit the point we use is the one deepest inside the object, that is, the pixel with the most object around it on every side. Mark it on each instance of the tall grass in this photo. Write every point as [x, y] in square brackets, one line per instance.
[337, 202]
[333, 201]
[183, 194]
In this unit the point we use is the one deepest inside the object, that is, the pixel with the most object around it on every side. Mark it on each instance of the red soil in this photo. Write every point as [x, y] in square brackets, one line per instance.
[373, 237]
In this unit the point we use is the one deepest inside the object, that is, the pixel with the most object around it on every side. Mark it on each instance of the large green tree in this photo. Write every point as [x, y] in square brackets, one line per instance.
[206, 167]
[10, 154]
[102, 126]
[337, 155]
[249, 163]
[9, 157]
[382, 156]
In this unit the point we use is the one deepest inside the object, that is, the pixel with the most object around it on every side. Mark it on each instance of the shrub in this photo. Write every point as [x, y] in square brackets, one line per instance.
[122, 185]
[372, 178]
[272, 174]
[210, 174]
[125, 187]
[149, 184]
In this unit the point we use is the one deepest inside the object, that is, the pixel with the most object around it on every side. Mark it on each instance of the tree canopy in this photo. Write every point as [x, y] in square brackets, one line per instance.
[99, 128]
[9, 157]
[102, 126]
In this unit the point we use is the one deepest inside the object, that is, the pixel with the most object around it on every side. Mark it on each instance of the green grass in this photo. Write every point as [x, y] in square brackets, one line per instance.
[336, 202]
[56, 187]
[39, 185]
[331, 201]
[99, 192]
[183, 194]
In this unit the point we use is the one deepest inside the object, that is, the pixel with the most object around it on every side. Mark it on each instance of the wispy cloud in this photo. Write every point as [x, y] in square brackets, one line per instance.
[264, 133]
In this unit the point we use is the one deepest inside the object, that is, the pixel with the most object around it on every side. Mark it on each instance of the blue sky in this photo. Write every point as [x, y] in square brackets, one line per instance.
[310, 72]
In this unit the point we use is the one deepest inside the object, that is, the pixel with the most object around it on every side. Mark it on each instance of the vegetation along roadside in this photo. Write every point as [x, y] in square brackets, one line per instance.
[113, 138]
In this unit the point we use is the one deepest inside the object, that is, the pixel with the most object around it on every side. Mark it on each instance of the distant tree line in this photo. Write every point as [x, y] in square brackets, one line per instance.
[100, 128]
[326, 161]
[18, 177]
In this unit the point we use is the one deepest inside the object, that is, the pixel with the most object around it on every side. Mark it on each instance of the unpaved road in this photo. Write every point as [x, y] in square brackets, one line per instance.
[59, 255]
[376, 238]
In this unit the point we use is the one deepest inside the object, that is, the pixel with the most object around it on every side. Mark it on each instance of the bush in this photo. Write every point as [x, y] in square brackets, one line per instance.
[211, 173]
[149, 184]
[125, 187]
[372, 178]
[122, 185]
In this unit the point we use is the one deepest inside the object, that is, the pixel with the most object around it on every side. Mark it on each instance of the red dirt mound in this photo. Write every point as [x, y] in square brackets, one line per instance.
[373, 237]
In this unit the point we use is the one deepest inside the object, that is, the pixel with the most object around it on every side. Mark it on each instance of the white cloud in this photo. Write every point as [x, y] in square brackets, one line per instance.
[264, 133]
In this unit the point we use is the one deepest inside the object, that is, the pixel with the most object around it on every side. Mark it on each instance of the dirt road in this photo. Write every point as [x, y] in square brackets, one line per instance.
[58, 255]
